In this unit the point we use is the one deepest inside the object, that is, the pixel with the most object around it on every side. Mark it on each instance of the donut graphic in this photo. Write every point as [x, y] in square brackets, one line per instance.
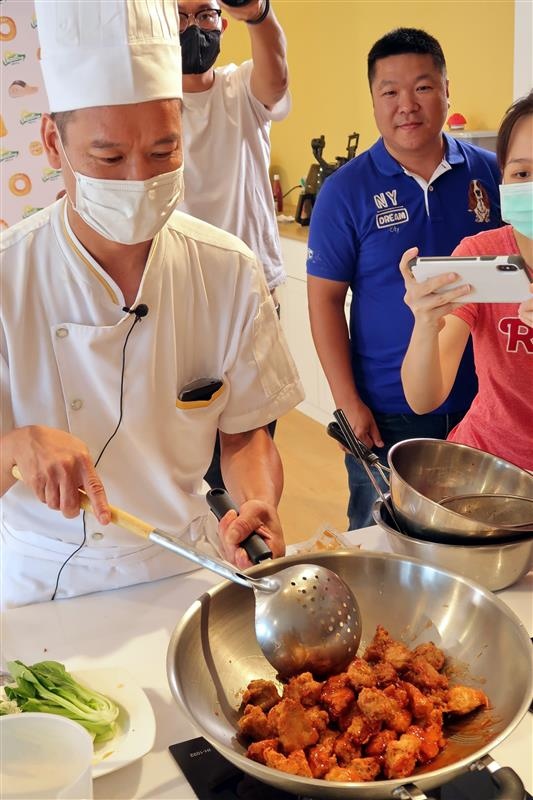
[3, 129]
[8, 29]
[35, 148]
[19, 184]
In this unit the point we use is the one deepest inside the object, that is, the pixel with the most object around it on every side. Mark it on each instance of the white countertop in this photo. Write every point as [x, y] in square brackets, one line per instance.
[131, 628]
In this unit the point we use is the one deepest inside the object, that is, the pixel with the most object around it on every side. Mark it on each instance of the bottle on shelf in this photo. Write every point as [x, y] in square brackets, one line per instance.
[277, 193]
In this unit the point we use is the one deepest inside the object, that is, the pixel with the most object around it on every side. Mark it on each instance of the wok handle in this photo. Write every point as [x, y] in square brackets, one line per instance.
[119, 517]
[255, 546]
[409, 792]
[510, 786]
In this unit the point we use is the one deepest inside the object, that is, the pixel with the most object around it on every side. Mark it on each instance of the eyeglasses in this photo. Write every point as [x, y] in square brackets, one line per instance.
[207, 19]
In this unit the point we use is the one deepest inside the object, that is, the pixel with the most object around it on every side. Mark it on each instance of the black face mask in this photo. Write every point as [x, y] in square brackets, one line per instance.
[199, 50]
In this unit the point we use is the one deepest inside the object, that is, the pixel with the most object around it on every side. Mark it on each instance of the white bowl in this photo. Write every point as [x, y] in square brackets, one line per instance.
[44, 756]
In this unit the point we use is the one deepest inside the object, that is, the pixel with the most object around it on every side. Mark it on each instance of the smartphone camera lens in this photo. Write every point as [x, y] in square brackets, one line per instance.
[507, 267]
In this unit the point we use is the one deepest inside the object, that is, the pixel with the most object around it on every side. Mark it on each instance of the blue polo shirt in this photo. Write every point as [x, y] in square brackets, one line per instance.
[367, 214]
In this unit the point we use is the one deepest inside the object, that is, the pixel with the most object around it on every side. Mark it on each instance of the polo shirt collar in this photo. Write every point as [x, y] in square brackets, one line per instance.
[388, 165]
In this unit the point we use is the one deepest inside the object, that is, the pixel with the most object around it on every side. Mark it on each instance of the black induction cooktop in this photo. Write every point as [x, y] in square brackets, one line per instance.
[212, 777]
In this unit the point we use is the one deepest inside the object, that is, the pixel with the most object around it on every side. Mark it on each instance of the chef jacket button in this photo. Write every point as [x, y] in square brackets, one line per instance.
[430, 188]
[76, 404]
[61, 333]
[97, 536]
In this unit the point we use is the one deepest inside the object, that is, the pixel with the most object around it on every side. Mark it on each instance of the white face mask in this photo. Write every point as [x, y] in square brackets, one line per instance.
[127, 212]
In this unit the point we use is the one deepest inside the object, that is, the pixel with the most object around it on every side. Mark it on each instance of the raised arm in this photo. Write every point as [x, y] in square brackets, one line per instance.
[438, 340]
[270, 75]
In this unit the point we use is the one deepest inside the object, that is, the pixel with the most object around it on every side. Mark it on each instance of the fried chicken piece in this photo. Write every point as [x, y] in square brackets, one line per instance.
[384, 673]
[318, 717]
[397, 692]
[431, 739]
[321, 757]
[345, 749]
[377, 744]
[420, 705]
[424, 675]
[464, 699]
[431, 653]
[374, 704]
[361, 728]
[345, 720]
[291, 722]
[397, 654]
[361, 674]
[384, 648]
[376, 648]
[400, 756]
[303, 688]
[256, 750]
[364, 769]
[254, 723]
[294, 764]
[379, 707]
[337, 695]
[261, 693]
[361, 769]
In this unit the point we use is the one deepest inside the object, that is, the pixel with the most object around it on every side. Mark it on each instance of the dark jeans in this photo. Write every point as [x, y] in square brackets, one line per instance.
[393, 428]
[213, 476]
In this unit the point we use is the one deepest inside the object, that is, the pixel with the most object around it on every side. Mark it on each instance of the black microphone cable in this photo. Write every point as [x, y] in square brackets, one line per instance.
[140, 311]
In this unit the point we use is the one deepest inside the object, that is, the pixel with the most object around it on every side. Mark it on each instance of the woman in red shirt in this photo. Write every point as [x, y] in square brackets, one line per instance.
[500, 420]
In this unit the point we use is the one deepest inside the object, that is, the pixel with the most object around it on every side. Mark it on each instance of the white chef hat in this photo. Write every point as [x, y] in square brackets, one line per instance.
[109, 52]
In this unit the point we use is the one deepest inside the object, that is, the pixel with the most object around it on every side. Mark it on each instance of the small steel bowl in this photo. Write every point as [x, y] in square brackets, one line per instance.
[495, 566]
[424, 471]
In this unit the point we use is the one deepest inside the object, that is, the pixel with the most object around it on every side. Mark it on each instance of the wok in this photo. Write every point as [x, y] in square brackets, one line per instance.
[213, 654]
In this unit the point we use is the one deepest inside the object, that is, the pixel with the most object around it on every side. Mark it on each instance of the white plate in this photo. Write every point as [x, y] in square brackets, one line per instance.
[136, 721]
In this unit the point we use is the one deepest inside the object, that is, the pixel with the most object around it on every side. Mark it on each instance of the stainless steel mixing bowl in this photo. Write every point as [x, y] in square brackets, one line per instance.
[213, 654]
[494, 566]
[424, 471]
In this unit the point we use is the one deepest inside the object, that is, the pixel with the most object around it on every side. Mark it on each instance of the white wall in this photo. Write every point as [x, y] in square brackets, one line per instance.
[523, 48]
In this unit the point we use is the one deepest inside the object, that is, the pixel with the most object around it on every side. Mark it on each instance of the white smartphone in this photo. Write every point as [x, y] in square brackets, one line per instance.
[494, 279]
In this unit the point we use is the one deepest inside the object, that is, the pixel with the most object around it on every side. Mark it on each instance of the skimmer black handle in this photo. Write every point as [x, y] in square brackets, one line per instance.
[255, 546]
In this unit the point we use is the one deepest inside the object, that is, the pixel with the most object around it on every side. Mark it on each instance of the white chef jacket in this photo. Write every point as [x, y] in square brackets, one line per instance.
[61, 340]
[226, 147]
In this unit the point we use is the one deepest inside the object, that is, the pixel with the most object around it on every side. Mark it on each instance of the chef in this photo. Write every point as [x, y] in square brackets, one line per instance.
[130, 333]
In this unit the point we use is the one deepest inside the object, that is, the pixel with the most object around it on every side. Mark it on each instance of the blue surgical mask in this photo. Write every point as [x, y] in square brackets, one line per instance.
[517, 206]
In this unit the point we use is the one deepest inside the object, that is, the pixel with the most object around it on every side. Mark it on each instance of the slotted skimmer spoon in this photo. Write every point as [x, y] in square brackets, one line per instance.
[306, 616]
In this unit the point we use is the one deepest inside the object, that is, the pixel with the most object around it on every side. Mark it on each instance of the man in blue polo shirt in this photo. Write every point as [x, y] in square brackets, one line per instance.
[414, 186]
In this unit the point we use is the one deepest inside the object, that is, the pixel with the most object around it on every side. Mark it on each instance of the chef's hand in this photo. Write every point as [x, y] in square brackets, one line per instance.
[525, 310]
[55, 465]
[428, 307]
[254, 515]
[251, 11]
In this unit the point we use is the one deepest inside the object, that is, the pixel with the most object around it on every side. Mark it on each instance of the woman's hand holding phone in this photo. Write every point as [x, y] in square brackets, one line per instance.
[525, 310]
[428, 306]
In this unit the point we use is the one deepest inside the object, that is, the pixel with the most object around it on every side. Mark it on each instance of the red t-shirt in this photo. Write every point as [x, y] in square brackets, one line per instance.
[500, 419]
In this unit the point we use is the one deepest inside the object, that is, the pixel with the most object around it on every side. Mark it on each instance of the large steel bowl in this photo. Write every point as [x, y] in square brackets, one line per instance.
[424, 471]
[213, 654]
[494, 565]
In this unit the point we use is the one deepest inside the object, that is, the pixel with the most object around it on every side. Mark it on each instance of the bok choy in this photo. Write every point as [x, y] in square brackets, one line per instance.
[48, 687]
